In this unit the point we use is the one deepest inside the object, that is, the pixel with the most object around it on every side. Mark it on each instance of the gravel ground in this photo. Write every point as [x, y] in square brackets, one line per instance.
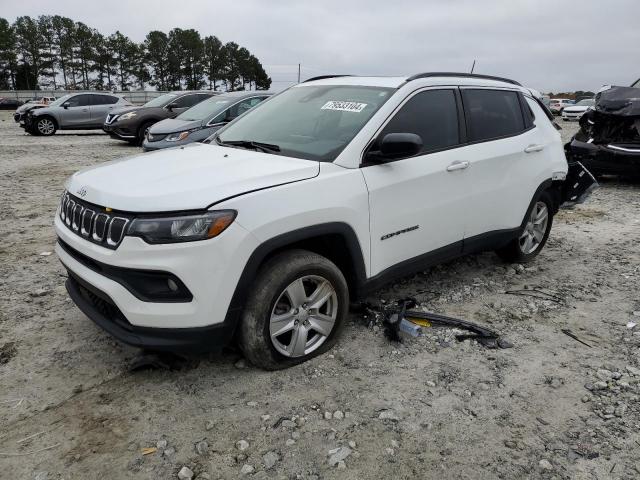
[550, 407]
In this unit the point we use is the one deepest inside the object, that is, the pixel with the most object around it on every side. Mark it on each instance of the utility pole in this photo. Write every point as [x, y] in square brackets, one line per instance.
[298, 73]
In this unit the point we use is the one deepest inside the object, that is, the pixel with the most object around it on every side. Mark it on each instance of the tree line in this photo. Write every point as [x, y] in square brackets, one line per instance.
[52, 51]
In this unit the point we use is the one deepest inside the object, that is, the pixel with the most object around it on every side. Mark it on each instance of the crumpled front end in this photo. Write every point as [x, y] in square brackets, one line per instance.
[608, 141]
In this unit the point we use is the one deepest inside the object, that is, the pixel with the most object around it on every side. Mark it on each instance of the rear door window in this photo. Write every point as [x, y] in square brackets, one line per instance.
[492, 114]
[104, 99]
[432, 115]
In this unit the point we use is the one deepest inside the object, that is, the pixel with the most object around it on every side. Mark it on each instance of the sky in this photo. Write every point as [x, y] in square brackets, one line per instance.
[549, 45]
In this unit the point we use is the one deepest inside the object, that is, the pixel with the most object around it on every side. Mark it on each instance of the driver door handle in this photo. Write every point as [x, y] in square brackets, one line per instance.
[457, 166]
[533, 148]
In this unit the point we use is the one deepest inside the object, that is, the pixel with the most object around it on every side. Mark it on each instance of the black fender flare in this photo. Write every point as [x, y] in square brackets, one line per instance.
[344, 230]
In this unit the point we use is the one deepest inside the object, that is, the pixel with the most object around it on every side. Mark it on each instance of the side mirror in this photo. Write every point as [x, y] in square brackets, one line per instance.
[66, 105]
[171, 106]
[394, 146]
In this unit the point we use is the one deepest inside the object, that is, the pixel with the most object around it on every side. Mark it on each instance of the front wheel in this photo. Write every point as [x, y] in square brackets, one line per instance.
[294, 311]
[142, 132]
[534, 233]
[45, 126]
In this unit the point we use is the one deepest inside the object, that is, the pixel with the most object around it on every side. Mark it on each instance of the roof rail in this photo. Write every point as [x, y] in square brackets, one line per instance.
[457, 74]
[322, 77]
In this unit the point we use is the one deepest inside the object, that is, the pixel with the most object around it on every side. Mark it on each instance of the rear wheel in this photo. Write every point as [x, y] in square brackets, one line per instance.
[534, 233]
[46, 126]
[295, 311]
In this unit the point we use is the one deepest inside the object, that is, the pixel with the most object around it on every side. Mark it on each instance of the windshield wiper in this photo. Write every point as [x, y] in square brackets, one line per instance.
[263, 147]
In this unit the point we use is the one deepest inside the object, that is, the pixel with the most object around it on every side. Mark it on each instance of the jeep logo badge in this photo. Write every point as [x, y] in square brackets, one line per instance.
[82, 192]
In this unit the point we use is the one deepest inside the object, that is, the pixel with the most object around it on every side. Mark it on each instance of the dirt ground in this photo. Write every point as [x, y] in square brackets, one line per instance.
[432, 407]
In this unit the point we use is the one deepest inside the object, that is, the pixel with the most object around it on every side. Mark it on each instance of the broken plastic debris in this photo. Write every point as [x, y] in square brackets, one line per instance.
[410, 328]
[45, 254]
[631, 325]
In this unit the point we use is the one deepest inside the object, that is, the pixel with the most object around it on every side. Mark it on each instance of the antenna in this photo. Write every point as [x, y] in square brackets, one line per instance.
[473, 66]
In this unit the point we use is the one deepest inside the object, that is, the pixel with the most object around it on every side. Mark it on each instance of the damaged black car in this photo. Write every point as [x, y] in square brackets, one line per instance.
[608, 142]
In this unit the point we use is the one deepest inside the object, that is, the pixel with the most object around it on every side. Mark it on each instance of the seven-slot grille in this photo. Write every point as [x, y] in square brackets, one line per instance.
[93, 223]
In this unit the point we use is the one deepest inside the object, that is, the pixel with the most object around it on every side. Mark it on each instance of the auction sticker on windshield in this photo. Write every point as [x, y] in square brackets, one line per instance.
[344, 106]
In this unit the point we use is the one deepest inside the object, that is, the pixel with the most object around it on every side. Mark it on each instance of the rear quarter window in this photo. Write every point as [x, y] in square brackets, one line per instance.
[492, 114]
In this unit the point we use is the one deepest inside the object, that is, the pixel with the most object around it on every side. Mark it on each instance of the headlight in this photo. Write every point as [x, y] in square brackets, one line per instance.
[187, 228]
[176, 137]
[127, 116]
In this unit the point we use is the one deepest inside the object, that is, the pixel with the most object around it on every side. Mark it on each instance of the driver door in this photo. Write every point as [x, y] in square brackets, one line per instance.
[418, 205]
[77, 113]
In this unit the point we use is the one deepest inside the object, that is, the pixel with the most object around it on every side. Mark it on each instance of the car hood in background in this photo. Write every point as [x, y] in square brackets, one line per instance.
[622, 101]
[185, 178]
[577, 108]
[174, 125]
[30, 106]
[123, 110]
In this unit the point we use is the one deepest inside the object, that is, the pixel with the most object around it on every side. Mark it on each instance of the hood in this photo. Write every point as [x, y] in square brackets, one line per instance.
[185, 178]
[125, 109]
[30, 106]
[623, 101]
[173, 125]
[577, 108]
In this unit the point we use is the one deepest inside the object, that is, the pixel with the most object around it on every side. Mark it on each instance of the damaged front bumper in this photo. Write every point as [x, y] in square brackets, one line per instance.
[613, 159]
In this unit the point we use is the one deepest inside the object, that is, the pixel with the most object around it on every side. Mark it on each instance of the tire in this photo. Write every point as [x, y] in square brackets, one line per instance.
[142, 132]
[519, 250]
[284, 282]
[45, 126]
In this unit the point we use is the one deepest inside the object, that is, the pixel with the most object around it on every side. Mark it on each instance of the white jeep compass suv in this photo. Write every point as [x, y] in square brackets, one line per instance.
[328, 190]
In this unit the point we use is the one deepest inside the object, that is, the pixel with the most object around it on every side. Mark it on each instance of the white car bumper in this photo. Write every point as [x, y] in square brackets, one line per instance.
[209, 269]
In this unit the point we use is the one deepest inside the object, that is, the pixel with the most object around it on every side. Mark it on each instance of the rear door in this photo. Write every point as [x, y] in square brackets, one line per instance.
[418, 205]
[506, 159]
[77, 113]
[100, 108]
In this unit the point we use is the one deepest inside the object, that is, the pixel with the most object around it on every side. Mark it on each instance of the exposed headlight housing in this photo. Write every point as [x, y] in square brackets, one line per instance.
[127, 116]
[183, 228]
[176, 137]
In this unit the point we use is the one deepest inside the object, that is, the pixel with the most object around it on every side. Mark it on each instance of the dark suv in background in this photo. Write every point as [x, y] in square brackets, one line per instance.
[131, 124]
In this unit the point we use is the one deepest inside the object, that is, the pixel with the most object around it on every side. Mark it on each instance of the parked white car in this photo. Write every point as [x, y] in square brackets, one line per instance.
[557, 105]
[575, 112]
[328, 190]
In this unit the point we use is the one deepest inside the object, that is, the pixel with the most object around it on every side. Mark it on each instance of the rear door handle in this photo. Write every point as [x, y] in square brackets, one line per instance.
[457, 166]
[533, 148]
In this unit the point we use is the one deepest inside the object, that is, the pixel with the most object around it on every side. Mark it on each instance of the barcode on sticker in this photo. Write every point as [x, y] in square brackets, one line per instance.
[344, 106]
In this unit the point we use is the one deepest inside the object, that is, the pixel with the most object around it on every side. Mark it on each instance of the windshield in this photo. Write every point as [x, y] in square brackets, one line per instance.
[587, 102]
[161, 101]
[61, 100]
[309, 122]
[212, 106]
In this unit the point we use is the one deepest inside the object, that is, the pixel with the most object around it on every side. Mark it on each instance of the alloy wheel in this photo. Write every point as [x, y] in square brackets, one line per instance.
[534, 230]
[303, 316]
[46, 126]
